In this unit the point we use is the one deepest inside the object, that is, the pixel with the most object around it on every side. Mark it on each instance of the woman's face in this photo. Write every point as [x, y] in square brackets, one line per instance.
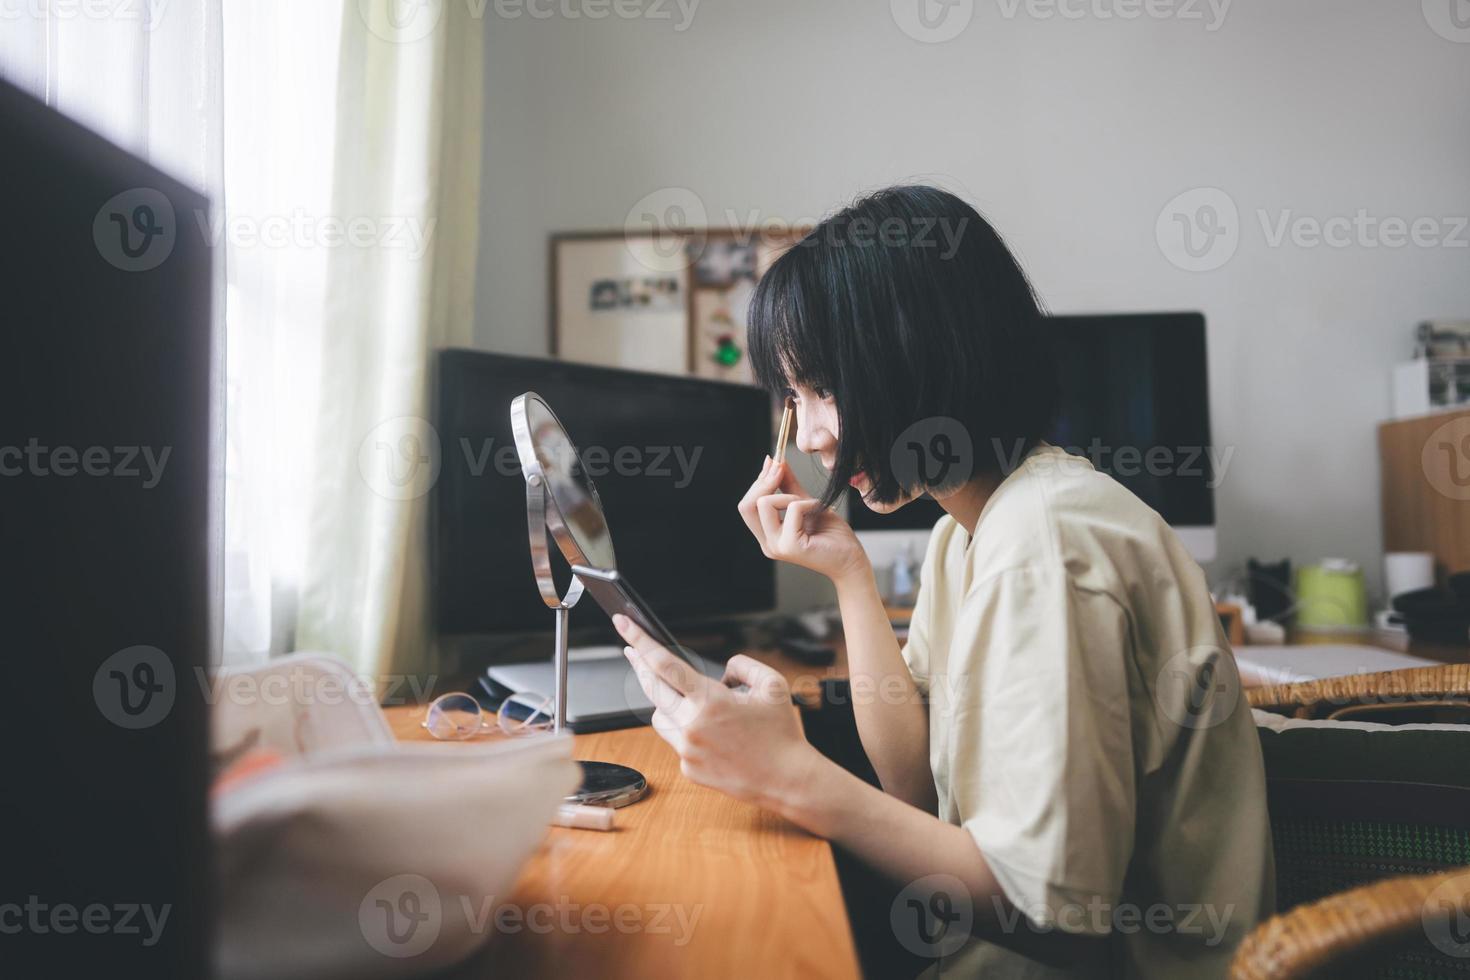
[816, 435]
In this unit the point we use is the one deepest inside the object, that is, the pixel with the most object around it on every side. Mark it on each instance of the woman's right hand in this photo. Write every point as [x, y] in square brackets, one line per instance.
[809, 535]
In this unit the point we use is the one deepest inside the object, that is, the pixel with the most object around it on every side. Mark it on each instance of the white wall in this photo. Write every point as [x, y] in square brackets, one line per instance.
[1071, 135]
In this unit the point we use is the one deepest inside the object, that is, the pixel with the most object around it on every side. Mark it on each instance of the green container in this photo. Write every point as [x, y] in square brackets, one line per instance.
[1331, 596]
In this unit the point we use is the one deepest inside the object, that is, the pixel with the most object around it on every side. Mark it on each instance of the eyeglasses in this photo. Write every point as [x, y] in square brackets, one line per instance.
[457, 716]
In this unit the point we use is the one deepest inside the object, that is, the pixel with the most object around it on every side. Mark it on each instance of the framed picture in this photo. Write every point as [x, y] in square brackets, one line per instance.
[671, 303]
[621, 301]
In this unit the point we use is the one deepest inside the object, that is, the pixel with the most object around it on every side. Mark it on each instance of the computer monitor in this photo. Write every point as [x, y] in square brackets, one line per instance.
[105, 440]
[1134, 399]
[671, 457]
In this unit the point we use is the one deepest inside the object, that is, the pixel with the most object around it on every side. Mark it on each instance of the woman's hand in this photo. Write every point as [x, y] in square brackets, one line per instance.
[809, 535]
[745, 743]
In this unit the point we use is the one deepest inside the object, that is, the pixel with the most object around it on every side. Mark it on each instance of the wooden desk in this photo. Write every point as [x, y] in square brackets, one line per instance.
[760, 896]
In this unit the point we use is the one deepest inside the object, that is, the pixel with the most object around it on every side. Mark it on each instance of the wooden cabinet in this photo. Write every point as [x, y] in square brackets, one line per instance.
[1425, 465]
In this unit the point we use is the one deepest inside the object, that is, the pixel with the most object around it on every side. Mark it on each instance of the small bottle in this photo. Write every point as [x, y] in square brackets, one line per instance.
[904, 588]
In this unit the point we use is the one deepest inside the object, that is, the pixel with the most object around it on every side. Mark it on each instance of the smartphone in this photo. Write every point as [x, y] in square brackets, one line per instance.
[615, 594]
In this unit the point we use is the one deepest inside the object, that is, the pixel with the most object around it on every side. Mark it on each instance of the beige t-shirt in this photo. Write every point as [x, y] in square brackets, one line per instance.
[1086, 726]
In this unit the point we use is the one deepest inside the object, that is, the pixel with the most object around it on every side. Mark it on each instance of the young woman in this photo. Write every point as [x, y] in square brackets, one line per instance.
[1067, 768]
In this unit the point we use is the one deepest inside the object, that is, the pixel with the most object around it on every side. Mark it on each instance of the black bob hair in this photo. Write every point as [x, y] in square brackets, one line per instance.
[908, 307]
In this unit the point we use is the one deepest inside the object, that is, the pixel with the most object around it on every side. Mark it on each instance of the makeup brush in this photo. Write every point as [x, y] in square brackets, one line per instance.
[786, 418]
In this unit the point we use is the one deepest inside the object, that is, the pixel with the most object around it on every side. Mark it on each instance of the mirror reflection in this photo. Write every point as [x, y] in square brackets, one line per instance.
[572, 492]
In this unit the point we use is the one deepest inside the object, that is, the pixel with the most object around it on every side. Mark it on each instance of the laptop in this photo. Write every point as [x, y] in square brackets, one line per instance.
[602, 691]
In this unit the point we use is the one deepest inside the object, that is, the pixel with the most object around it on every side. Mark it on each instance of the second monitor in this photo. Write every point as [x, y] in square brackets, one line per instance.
[671, 458]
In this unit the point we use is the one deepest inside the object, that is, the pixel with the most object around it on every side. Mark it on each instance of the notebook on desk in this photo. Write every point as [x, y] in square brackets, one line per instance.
[1310, 662]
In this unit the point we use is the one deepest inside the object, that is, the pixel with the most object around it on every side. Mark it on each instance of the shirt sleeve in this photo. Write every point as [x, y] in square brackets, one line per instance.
[916, 647]
[1040, 743]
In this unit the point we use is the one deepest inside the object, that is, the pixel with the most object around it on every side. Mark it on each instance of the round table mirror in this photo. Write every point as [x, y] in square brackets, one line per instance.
[561, 498]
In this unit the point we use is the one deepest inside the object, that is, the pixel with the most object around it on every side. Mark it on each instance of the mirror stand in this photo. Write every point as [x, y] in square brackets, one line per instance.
[603, 783]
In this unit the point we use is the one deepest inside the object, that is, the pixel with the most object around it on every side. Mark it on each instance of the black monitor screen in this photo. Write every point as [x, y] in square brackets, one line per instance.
[671, 457]
[1133, 399]
[108, 358]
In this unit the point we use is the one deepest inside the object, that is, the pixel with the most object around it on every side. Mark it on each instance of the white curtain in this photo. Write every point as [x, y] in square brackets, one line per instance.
[340, 145]
[281, 65]
[408, 142]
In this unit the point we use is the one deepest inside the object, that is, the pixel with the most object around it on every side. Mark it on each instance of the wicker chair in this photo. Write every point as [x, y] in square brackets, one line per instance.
[1401, 927]
[1426, 695]
[1369, 823]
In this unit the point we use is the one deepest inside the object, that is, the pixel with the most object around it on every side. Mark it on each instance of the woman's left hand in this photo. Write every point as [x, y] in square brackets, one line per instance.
[746, 743]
